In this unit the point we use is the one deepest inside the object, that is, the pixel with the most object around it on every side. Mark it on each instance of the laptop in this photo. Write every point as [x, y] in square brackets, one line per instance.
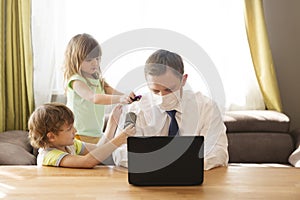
[165, 161]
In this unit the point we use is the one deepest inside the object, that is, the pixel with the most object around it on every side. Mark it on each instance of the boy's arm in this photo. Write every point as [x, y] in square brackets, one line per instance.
[112, 125]
[98, 154]
[120, 154]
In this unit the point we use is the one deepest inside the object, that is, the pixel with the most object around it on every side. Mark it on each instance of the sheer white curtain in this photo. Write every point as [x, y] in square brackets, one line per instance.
[217, 26]
[48, 19]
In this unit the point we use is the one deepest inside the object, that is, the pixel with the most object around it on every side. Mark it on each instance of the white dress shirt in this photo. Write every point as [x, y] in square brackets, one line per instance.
[196, 115]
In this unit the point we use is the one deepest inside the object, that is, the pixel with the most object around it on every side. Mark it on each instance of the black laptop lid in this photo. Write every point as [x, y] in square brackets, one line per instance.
[166, 160]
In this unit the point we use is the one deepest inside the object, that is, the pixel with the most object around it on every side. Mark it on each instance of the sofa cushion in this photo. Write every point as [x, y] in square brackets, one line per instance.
[17, 137]
[256, 121]
[16, 148]
[271, 147]
[12, 154]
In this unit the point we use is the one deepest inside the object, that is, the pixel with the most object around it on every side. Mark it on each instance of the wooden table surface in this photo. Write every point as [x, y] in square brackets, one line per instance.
[108, 182]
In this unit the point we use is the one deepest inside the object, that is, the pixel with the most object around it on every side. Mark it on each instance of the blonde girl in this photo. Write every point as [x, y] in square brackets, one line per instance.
[87, 91]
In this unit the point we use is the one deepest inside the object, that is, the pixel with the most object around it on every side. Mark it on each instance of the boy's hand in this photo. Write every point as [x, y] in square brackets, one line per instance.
[116, 113]
[129, 130]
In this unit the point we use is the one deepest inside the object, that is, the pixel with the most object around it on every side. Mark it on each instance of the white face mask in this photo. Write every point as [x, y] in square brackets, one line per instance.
[167, 102]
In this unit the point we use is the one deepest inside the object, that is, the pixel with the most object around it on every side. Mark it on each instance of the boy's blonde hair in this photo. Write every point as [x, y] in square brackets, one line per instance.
[49, 117]
[80, 47]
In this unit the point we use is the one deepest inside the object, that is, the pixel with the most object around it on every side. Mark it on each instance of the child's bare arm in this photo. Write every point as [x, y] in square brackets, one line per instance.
[110, 90]
[105, 99]
[98, 154]
[112, 125]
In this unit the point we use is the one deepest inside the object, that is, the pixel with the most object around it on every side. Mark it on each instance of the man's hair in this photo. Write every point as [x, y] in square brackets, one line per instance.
[47, 118]
[158, 63]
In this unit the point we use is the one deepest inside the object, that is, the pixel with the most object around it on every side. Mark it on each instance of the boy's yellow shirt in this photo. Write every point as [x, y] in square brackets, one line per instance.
[53, 156]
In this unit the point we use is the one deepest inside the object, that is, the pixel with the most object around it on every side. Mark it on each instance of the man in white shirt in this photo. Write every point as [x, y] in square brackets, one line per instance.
[195, 114]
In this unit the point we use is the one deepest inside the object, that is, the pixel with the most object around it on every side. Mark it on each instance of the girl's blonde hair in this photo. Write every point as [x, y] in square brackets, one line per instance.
[47, 118]
[80, 47]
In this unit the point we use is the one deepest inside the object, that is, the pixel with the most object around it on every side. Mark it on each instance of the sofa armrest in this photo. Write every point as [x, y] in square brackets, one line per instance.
[294, 158]
[296, 136]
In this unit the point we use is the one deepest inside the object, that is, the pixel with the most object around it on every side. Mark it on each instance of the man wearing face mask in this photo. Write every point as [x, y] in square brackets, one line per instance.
[169, 110]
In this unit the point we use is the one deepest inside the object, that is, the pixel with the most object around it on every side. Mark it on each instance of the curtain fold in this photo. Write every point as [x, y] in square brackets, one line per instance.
[261, 54]
[2, 55]
[17, 101]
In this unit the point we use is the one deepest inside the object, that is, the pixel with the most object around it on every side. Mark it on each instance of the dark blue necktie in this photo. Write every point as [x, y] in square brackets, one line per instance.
[173, 129]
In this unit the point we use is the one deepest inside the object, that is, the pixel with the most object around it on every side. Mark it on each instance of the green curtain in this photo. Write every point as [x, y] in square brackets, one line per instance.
[261, 54]
[16, 75]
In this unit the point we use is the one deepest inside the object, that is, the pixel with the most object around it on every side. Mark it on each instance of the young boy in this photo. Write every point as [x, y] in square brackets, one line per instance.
[51, 130]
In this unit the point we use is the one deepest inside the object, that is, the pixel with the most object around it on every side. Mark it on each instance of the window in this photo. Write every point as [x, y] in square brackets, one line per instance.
[215, 29]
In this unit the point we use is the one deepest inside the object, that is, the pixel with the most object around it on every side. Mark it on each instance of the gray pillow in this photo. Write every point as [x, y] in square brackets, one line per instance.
[17, 137]
[16, 149]
[12, 154]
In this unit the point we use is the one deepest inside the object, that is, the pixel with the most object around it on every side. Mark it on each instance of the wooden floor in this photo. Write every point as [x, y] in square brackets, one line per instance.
[107, 182]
